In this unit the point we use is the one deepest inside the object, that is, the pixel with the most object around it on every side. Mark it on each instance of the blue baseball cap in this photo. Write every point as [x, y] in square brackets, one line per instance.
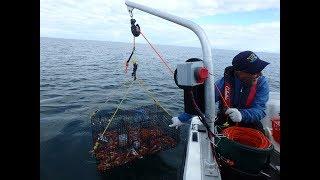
[249, 62]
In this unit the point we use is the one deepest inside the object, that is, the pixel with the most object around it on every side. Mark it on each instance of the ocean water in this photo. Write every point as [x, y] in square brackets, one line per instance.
[77, 77]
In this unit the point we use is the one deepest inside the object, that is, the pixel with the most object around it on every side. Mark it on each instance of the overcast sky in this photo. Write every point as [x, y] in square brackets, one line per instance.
[229, 24]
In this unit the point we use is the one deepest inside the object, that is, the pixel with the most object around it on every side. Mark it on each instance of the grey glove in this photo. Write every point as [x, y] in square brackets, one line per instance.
[176, 122]
[234, 114]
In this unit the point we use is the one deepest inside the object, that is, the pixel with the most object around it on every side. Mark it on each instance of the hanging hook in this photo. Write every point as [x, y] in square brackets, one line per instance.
[130, 9]
[135, 29]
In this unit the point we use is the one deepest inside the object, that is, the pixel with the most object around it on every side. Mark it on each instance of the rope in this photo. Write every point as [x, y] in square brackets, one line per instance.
[111, 96]
[157, 54]
[224, 101]
[152, 97]
[110, 120]
[133, 49]
[134, 42]
[247, 136]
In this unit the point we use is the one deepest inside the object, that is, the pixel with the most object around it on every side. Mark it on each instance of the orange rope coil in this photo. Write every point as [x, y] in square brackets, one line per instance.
[247, 136]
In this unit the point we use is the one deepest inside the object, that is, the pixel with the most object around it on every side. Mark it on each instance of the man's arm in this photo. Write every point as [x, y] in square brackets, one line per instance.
[257, 110]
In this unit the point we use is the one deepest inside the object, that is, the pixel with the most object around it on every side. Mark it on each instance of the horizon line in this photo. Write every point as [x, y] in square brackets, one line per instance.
[271, 52]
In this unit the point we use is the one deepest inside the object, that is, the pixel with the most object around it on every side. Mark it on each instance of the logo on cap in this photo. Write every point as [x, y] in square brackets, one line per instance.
[252, 57]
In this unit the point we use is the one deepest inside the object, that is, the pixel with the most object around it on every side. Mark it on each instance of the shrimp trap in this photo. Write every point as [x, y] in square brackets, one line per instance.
[131, 135]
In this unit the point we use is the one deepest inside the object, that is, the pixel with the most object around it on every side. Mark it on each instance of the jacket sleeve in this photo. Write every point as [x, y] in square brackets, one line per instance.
[185, 117]
[257, 110]
[218, 84]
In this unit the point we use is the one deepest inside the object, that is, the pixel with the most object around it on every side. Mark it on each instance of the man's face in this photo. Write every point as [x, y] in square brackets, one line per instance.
[247, 78]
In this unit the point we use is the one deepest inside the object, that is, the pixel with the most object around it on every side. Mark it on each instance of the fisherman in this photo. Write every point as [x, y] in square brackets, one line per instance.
[245, 91]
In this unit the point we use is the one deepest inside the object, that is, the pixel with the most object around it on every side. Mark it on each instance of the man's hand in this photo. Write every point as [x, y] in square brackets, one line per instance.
[234, 114]
[176, 122]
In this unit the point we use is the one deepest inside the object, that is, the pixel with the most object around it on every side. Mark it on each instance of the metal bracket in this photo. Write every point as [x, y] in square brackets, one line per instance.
[130, 9]
[102, 138]
[194, 127]
[210, 169]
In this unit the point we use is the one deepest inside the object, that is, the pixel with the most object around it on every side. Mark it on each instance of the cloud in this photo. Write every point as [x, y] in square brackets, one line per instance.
[256, 37]
[110, 21]
[198, 8]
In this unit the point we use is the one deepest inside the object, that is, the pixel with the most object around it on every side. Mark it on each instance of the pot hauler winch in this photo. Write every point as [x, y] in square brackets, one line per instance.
[190, 76]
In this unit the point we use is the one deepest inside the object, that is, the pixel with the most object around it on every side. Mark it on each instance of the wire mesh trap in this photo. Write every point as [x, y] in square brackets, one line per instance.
[131, 135]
